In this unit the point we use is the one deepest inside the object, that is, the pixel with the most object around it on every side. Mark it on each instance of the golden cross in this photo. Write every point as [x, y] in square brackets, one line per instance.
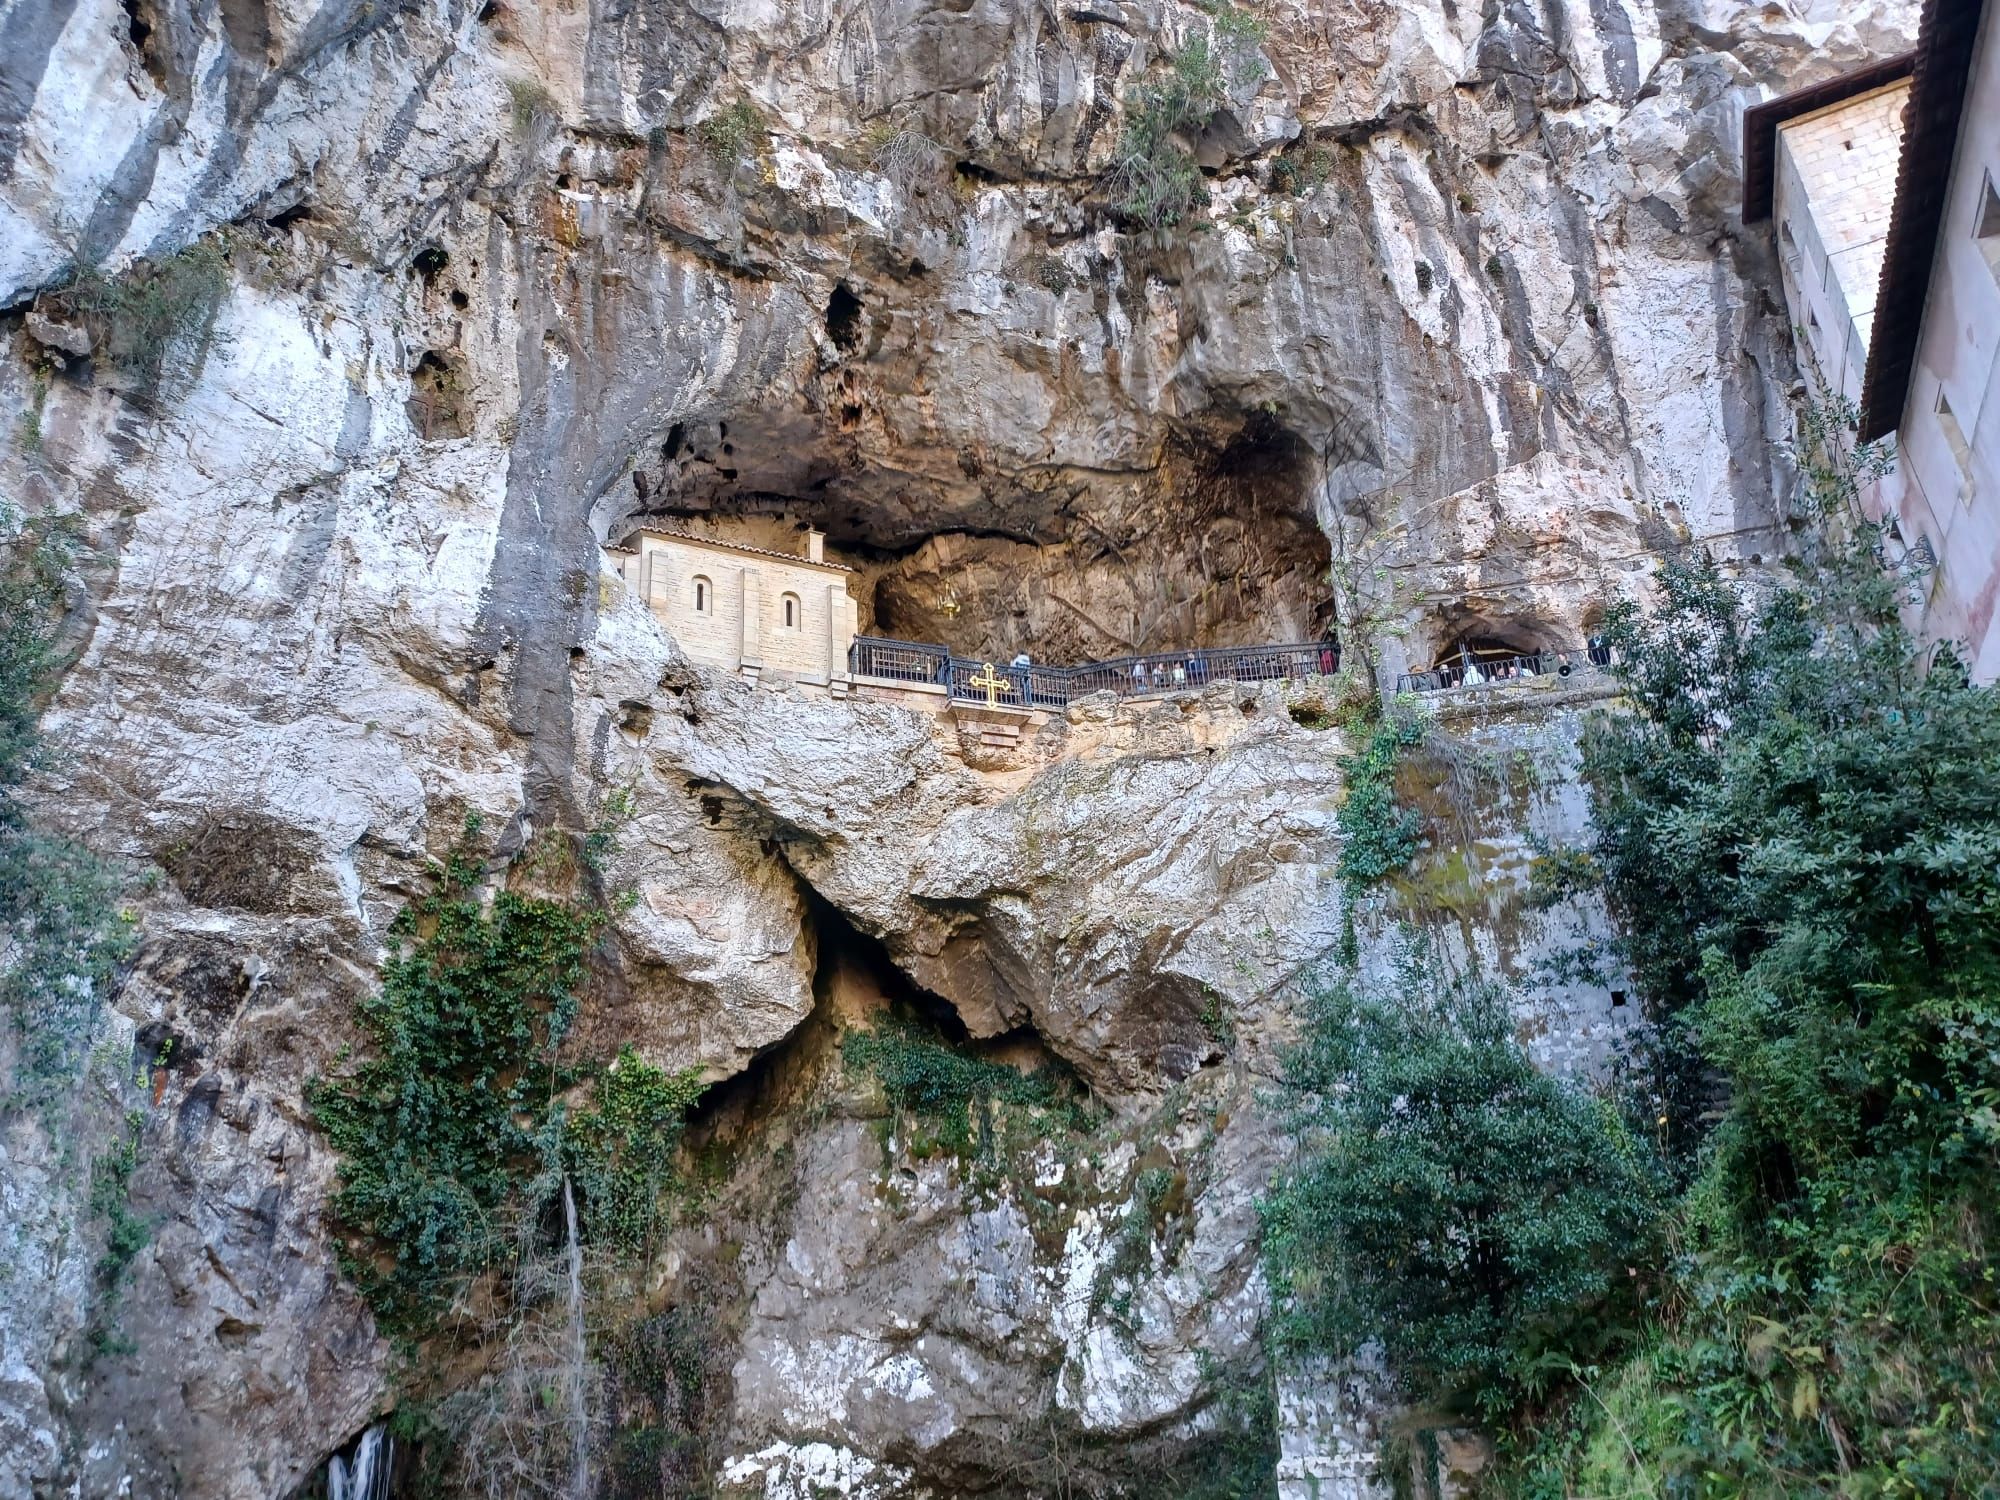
[993, 682]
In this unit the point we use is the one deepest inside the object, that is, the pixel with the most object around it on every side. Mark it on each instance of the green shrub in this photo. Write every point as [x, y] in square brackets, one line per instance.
[1238, 31]
[454, 1128]
[732, 132]
[125, 1235]
[1298, 172]
[155, 319]
[1487, 1223]
[1156, 181]
[529, 104]
[1239, 1458]
[621, 1150]
[952, 1092]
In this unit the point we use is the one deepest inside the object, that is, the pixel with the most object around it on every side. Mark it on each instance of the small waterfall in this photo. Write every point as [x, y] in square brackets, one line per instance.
[366, 1475]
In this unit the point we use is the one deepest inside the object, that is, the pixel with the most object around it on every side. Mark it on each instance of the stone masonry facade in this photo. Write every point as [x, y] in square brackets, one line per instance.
[744, 608]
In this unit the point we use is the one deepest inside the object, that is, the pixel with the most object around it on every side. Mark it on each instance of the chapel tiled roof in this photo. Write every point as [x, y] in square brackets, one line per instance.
[1760, 124]
[1947, 37]
[710, 541]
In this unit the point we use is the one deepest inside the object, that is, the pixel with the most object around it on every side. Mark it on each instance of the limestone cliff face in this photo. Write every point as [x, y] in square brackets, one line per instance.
[1464, 326]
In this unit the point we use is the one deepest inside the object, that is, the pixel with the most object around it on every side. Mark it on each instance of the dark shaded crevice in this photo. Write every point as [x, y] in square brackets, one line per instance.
[843, 318]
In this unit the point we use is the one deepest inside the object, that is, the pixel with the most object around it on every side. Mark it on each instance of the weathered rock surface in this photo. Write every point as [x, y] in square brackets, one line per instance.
[495, 279]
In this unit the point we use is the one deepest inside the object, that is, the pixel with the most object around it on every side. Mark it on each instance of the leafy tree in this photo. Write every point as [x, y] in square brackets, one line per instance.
[1485, 1221]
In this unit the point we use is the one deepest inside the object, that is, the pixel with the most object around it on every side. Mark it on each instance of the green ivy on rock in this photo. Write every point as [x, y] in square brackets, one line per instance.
[456, 1118]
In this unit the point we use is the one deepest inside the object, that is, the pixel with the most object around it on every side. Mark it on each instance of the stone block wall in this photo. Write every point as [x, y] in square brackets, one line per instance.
[788, 616]
[1836, 186]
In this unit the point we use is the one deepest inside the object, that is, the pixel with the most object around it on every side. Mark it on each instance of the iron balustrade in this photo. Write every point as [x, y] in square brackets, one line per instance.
[898, 661]
[1558, 662]
[1039, 686]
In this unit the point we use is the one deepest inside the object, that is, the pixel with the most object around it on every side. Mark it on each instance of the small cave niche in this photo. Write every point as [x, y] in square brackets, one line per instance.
[286, 219]
[1474, 643]
[459, 300]
[428, 261]
[843, 318]
[438, 406]
[141, 26]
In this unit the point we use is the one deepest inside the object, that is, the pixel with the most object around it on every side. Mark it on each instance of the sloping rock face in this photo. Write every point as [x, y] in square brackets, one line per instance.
[1462, 338]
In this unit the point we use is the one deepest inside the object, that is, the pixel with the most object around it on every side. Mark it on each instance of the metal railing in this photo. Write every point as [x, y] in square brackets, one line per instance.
[1557, 662]
[899, 661]
[1038, 686]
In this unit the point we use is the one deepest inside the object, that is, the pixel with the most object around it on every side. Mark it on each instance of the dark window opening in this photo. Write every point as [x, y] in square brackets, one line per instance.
[460, 301]
[1617, 999]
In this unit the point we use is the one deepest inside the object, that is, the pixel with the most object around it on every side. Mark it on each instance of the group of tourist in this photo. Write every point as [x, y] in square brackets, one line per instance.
[1469, 671]
[1160, 675]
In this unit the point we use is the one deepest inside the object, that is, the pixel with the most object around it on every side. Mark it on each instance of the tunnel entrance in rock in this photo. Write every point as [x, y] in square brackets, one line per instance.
[857, 986]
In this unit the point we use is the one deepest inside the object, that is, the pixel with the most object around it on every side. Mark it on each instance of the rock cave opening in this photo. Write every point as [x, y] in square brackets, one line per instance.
[843, 318]
[1214, 546]
[437, 407]
[856, 986]
[428, 261]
